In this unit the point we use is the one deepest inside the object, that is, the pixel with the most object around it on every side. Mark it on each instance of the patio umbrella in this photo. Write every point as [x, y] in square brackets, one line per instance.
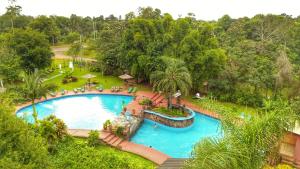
[125, 77]
[89, 76]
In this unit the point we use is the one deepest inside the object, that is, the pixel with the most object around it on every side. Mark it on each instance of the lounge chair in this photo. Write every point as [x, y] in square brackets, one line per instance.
[117, 89]
[82, 90]
[113, 89]
[53, 94]
[63, 92]
[134, 90]
[130, 89]
[100, 88]
[75, 90]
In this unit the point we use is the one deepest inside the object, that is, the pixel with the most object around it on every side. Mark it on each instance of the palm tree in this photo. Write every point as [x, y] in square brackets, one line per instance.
[34, 88]
[175, 77]
[248, 144]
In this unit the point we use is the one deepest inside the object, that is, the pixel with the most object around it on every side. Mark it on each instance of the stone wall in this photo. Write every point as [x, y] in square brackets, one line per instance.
[178, 122]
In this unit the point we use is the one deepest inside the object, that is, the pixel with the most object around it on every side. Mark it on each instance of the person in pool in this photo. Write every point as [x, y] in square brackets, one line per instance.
[155, 125]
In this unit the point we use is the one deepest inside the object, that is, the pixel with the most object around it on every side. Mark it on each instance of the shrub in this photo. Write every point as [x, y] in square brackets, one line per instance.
[171, 112]
[93, 139]
[120, 131]
[64, 81]
[146, 102]
[74, 79]
[53, 130]
[106, 124]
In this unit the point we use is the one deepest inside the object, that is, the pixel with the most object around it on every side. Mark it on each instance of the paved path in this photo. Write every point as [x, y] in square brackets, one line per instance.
[59, 53]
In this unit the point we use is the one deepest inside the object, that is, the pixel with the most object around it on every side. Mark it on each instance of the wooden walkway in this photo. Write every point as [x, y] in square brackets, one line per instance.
[173, 163]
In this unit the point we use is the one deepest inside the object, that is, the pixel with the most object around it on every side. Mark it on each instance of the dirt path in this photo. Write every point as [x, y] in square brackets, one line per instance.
[59, 53]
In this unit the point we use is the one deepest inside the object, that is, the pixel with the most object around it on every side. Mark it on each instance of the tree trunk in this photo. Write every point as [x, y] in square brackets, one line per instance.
[34, 112]
[169, 101]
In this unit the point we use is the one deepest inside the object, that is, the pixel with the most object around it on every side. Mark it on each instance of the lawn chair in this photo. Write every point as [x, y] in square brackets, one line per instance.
[113, 89]
[130, 89]
[134, 90]
[82, 89]
[52, 94]
[63, 92]
[117, 89]
[100, 88]
[75, 90]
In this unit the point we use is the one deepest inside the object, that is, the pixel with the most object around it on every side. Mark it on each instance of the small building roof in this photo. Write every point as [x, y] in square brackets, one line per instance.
[125, 77]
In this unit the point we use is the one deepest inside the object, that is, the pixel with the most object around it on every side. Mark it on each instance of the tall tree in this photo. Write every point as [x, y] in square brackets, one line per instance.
[175, 77]
[34, 88]
[32, 47]
[47, 26]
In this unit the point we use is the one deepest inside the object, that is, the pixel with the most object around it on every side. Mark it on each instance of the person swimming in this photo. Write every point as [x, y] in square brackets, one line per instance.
[155, 125]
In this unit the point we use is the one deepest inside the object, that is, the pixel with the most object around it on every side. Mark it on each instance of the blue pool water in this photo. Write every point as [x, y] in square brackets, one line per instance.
[177, 142]
[87, 111]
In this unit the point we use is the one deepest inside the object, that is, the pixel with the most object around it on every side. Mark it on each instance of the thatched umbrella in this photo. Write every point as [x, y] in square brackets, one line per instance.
[89, 76]
[125, 77]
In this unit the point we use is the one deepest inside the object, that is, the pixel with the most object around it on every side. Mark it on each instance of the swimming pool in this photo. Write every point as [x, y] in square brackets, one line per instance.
[87, 111]
[177, 142]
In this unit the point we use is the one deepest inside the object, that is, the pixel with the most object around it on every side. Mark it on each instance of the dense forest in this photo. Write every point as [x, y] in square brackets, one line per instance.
[242, 60]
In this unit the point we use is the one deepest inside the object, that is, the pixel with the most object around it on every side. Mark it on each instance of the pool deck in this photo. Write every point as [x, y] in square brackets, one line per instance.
[125, 145]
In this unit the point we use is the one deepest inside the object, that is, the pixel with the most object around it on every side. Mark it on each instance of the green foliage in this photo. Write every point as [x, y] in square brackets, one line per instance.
[47, 26]
[9, 65]
[106, 124]
[76, 154]
[20, 147]
[146, 102]
[93, 139]
[53, 130]
[171, 112]
[32, 47]
[72, 37]
[245, 144]
[34, 88]
[175, 77]
[120, 131]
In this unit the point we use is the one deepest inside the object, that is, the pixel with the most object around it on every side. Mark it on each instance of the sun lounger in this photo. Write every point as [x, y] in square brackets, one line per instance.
[82, 90]
[113, 89]
[63, 92]
[130, 89]
[100, 88]
[75, 90]
[53, 94]
[117, 89]
[134, 90]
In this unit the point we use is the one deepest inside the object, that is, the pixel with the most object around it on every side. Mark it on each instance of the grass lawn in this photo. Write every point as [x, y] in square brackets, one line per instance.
[215, 105]
[74, 153]
[106, 81]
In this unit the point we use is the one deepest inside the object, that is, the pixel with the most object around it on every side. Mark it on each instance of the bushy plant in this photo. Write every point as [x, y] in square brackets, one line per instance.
[20, 147]
[93, 139]
[120, 131]
[106, 124]
[146, 102]
[53, 130]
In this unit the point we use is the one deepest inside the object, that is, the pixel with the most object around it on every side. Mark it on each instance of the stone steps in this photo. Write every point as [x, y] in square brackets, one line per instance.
[173, 163]
[118, 142]
[111, 142]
